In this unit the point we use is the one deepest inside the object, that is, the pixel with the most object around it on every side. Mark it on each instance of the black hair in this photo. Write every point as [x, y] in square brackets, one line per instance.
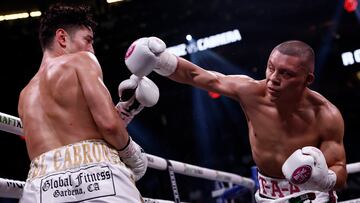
[65, 16]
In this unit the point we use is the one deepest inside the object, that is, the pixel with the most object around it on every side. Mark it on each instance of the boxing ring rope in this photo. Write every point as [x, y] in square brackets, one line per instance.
[13, 188]
[353, 168]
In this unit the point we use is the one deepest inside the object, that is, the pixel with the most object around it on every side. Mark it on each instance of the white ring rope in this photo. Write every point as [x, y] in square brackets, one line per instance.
[13, 188]
[13, 125]
[351, 201]
[200, 172]
[353, 168]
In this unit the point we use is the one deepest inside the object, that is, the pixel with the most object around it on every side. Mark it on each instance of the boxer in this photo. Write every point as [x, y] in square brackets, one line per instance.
[78, 144]
[296, 134]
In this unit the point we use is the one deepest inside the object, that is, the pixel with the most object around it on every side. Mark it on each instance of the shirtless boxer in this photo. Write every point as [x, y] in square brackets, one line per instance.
[79, 147]
[296, 135]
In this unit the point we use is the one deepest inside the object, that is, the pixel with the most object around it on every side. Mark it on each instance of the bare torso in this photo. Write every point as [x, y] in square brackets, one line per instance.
[52, 108]
[275, 135]
[283, 115]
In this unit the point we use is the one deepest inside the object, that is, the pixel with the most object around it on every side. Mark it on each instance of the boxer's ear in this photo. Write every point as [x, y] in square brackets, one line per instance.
[61, 37]
[310, 78]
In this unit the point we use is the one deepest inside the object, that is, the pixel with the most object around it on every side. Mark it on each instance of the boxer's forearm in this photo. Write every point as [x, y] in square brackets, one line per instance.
[191, 74]
[341, 175]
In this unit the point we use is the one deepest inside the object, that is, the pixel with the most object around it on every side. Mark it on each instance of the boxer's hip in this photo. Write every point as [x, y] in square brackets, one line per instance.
[83, 171]
[271, 189]
[71, 156]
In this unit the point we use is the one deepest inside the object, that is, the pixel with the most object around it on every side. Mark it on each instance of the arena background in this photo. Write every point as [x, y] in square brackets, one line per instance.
[188, 124]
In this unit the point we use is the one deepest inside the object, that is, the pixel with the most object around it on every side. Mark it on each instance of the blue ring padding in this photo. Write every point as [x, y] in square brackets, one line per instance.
[254, 176]
[239, 190]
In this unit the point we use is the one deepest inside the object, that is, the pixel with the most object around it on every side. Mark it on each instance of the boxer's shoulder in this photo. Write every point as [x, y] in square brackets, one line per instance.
[253, 87]
[317, 100]
[79, 60]
[326, 114]
[80, 57]
[322, 108]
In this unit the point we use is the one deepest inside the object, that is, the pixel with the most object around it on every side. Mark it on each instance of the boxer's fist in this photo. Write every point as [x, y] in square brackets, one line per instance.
[126, 89]
[307, 168]
[135, 94]
[147, 93]
[142, 55]
[167, 64]
[135, 158]
[128, 107]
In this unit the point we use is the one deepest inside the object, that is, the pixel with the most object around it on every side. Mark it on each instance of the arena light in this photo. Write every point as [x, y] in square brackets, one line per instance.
[358, 75]
[35, 13]
[350, 5]
[189, 37]
[350, 58]
[14, 16]
[113, 1]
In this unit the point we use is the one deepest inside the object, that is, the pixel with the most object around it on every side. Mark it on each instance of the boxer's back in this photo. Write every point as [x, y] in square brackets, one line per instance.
[53, 108]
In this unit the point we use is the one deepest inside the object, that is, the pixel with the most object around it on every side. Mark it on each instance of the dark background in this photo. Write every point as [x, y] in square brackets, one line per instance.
[188, 125]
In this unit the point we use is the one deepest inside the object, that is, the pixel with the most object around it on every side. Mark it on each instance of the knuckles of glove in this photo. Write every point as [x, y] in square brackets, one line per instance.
[307, 168]
[147, 92]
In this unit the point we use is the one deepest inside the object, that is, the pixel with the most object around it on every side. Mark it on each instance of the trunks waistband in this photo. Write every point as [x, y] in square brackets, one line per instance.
[274, 188]
[73, 156]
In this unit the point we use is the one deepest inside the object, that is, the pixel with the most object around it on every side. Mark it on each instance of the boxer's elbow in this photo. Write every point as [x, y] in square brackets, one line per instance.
[340, 184]
[108, 126]
[341, 177]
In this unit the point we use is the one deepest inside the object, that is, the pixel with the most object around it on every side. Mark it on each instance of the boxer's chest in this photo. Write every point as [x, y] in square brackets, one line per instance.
[268, 125]
[273, 139]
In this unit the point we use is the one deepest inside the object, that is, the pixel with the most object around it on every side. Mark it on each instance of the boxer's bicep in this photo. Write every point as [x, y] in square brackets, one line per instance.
[97, 96]
[334, 153]
[332, 145]
[236, 86]
[332, 136]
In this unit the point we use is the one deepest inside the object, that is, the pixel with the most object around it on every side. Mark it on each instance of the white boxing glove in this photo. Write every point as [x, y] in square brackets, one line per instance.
[147, 54]
[135, 94]
[307, 169]
[142, 55]
[135, 158]
[147, 93]
[167, 64]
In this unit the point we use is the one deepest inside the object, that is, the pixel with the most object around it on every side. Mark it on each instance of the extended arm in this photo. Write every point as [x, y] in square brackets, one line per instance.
[148, 54]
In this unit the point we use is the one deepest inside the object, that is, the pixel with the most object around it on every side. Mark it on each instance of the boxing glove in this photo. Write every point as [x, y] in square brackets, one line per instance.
[142, 55]
[136, 93]
[147, 54]
[147, 93]
[135, 158]
[167, 64]
[307, 169]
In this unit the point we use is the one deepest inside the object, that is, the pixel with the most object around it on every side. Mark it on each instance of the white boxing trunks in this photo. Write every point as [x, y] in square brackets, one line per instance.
[282, 191]
[87, 171]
